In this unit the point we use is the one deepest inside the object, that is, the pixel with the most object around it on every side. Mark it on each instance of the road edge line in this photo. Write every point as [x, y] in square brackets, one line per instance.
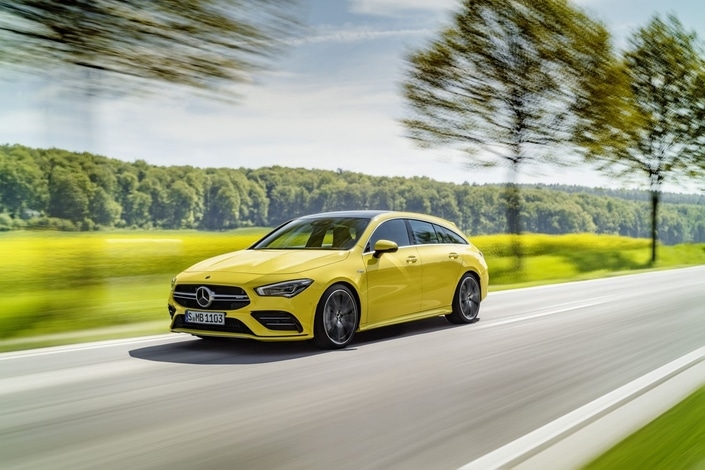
[531, 444]
[21, 354]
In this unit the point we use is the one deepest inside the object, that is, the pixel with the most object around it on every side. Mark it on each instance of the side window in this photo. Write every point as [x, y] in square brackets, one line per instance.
[448, 236]
[423, 232]
[392, 230]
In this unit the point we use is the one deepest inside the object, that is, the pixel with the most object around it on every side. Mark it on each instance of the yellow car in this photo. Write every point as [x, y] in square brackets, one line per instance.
[326, 276]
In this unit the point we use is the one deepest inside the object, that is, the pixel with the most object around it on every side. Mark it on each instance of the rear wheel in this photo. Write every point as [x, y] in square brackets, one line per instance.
[466, 301]
[336, 318]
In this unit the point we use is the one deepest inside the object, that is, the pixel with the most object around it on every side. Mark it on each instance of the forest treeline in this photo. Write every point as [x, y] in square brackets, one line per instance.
[58, 189]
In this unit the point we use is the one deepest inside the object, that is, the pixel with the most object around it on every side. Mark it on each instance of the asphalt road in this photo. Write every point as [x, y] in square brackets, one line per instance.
[424, 395]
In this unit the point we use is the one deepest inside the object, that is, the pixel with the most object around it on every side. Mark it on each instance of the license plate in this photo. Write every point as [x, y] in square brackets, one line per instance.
[205, 318]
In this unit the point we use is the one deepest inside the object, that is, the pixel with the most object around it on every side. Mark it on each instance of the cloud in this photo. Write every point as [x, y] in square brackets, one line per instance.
[589, 3]
[355, 35]
[393, 7]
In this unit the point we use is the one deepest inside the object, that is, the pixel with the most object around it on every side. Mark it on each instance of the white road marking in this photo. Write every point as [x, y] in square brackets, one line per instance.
[82, 347]
[67, 376]
[558, 285]
[512, 454]
[566, 308]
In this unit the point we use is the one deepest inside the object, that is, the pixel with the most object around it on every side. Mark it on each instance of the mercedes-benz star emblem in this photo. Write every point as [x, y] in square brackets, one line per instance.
[204, 296]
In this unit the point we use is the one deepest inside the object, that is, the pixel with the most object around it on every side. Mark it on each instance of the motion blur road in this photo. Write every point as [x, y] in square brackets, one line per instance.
[423, 395]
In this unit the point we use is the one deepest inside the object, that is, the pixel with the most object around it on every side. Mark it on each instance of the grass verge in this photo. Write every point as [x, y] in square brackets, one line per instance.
[674, 441]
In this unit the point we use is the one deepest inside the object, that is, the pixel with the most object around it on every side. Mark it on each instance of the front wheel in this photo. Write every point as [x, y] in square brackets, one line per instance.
[466, 301]
[336, 318]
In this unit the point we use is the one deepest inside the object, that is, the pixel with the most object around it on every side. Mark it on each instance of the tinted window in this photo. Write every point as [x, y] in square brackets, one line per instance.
[448, 236]
[423, 232]
[392, 230]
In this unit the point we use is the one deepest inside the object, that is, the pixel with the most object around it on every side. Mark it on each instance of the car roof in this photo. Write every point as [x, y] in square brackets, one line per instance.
[387, 214]
[367, 214]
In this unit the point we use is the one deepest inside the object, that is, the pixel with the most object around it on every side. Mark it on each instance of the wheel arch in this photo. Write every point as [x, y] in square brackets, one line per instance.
[480, 275]
[476, 275]
[321, 332]
[356, 297]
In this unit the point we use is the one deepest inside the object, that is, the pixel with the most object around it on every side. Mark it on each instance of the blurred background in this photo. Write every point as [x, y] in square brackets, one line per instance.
[237, 115]
[566, 139]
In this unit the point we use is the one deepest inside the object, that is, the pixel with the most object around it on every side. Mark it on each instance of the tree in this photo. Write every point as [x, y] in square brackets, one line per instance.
[384, 196]
[259, 214]
[503, 84]
[136, 210]
[664, 136]
[287, 201]
[221, 204]
[68, 195]
[445, 205]
[155, 185]
[22, 185]
[200, 44]
[183, 206]
[103, 209]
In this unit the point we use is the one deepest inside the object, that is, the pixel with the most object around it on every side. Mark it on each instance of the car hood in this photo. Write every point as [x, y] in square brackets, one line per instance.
[269, 261]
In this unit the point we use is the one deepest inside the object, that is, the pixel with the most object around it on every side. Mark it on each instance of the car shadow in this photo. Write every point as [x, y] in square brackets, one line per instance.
[226, 351]
[419, 327]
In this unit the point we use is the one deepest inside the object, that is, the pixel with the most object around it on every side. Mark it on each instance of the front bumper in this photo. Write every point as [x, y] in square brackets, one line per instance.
[264, 318]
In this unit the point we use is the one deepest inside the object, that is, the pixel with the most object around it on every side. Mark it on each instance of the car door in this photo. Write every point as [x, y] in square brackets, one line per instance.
[393, 279]
[440, 262]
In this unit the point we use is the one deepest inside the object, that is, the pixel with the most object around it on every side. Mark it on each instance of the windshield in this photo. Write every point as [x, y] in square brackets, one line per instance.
[320, 233]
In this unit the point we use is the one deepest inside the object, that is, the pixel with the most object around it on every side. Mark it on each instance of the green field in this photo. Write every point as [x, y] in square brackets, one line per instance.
[57, 282]
[63, 287]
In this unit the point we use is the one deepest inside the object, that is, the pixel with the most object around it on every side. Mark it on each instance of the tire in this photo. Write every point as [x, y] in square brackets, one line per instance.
[466, 300]
[337, 317]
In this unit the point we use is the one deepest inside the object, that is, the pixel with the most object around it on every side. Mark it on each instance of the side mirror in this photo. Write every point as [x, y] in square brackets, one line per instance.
[384, 246]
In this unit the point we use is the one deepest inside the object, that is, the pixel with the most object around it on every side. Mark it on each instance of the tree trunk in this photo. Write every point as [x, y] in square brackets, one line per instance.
[655, 197]
[512, 197]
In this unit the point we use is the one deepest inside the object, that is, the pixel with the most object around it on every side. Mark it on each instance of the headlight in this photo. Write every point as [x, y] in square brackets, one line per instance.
[284, 289]
[173, 282]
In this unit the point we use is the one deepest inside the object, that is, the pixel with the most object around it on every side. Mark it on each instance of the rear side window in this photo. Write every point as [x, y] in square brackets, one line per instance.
[392, 230]
[423, 232]
[448, 236]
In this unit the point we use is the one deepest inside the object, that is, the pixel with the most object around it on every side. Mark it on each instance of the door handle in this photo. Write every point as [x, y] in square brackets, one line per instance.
[453, 255]
[411, 259]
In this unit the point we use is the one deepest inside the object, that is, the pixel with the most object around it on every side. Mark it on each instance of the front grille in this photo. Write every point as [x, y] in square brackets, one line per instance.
[224, 297]
[278, 320]
[232, 325]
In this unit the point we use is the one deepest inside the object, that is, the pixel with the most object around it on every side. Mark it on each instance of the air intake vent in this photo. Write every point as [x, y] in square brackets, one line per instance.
[278, 320]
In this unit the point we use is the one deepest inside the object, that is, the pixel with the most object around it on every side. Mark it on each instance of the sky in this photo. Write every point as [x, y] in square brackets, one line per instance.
[331, 101]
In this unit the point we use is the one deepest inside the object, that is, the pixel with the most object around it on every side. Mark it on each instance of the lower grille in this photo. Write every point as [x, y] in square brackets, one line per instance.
[278, 320]
[232, 325]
